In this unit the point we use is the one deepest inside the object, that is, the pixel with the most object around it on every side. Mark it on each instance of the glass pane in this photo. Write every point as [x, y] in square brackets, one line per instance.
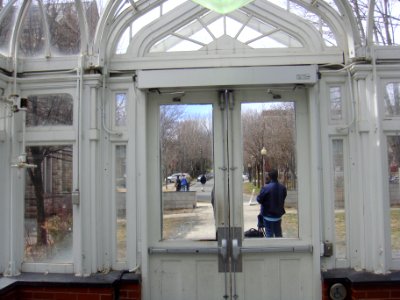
[7, 26]
[48, 210]
[32, 36]
[144, 20]
[123, 42]
[184, 45]
[339, 196]
[170, 5]
[120, 196]
[48, 110]
[393, 146]
[217, 27]
[232, 26]
[187, 154]
[64, 30]
[392, 99]
[269, 142]
[386, 22]
[120, 109]
[335, 94]
[92, 10]
[248, 34]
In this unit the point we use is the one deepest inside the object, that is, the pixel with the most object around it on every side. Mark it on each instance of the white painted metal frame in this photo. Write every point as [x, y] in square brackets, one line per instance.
[368, 228]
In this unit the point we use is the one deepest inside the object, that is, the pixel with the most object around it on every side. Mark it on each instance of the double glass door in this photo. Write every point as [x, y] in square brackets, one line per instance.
[214, 148]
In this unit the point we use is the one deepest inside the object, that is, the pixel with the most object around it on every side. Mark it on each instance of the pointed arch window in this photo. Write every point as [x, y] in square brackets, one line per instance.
[241, 30]
[205, 33]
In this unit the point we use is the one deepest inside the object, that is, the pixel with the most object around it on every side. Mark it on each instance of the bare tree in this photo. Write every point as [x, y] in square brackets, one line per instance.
[169, 143]
[386, 20]
[274, 129]
[36, 155]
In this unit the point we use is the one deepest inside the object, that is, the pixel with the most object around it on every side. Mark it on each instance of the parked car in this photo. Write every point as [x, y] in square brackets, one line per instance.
[172, 177]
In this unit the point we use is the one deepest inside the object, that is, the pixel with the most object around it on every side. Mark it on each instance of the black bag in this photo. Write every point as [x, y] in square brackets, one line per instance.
[252, 232]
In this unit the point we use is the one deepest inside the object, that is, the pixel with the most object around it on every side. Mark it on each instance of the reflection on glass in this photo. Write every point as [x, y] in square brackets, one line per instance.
[392, 99]
[339, 196]
[120, 197]
[48, 205]
[393, 146]
[336, 103]
[49, 110]
[186, 154]
[32, 37]
[120, 109]
[269, 142]
[64, 38]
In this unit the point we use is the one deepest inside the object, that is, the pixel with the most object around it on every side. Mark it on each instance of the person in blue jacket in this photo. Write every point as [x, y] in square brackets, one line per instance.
[272, 199]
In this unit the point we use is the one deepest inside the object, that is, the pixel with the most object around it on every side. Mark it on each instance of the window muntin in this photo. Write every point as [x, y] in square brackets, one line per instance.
[393, 146]
[49, 110]
[392, 99]
[120, 201]
[48, 211]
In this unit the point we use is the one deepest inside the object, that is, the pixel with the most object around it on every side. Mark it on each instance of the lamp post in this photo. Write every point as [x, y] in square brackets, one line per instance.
[201, 160]
[263, 154]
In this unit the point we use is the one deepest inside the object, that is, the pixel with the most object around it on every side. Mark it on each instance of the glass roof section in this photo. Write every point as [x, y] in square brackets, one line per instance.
[47, 28]
[51, 28]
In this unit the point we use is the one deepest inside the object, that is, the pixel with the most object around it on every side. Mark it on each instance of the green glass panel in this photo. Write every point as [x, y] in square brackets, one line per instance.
[222, 6]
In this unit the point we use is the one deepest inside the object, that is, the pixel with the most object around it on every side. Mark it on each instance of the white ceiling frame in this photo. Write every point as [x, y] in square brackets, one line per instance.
[110, 28]
[350, 21]
[292, 24]
[346, 37]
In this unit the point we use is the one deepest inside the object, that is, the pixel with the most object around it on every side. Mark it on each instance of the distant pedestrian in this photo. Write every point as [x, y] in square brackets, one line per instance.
[178, 185]
[203, 181]
[184, 183]
[272, 199]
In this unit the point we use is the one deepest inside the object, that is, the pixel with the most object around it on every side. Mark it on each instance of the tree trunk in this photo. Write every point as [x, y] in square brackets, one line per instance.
[37, 182]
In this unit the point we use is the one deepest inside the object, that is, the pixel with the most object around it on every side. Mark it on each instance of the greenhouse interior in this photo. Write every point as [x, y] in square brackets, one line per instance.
[141, 140]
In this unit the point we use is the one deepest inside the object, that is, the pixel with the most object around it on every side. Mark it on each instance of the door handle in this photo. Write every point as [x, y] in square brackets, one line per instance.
[235, 250]
[224, 249]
